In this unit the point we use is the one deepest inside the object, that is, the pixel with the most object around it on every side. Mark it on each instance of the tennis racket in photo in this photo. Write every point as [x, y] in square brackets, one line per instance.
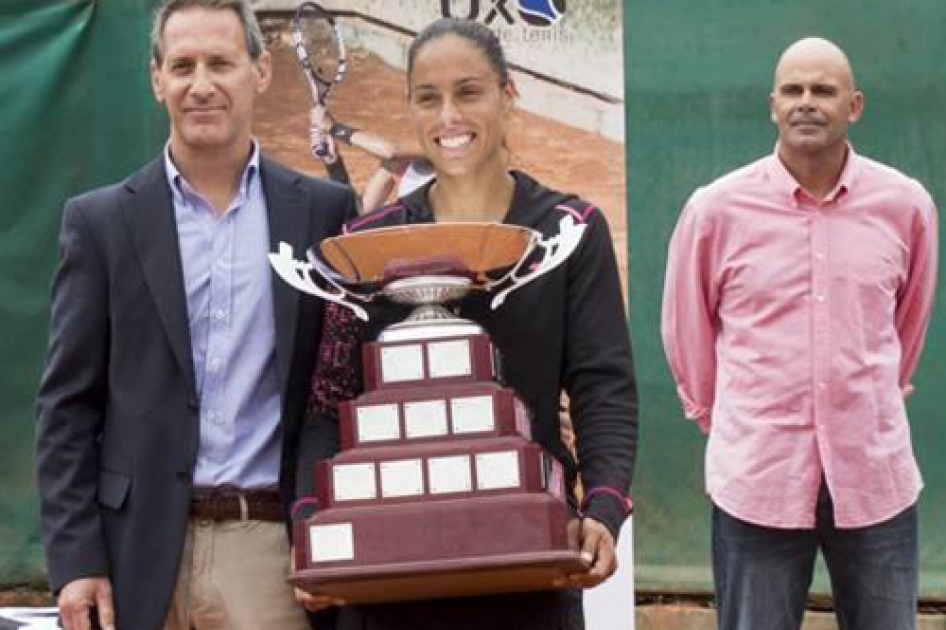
[321, 52]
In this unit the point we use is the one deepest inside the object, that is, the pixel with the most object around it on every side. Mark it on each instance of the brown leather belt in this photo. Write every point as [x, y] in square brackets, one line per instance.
[231, 504]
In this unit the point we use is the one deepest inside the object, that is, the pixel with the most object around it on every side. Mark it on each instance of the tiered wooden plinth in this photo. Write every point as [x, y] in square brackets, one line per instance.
[438, 490]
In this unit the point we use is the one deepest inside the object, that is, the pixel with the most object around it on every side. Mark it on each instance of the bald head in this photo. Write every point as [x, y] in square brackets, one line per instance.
[816, 53]
[814, 101]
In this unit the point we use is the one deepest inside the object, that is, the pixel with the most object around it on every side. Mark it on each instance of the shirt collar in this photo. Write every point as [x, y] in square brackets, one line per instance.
[180, 188]
[783, 180]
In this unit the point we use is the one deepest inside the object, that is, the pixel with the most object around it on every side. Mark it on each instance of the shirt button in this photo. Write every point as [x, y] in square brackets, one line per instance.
[820, 298]
[220, 314]
[822, 386]
[819, 256]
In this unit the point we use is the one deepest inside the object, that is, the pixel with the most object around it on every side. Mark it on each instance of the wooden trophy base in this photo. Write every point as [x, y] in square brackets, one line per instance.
[512, 573]
[475, 546]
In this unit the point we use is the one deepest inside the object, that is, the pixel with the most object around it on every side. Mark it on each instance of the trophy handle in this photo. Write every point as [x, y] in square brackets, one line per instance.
[298, 274]
[557, 249]
[329, 275]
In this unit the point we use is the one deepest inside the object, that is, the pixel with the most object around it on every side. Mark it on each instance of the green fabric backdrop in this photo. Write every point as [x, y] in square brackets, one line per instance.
[698, 74]
[75, 112]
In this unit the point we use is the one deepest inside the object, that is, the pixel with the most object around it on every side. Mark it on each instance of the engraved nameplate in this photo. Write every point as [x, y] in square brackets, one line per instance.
[449, 358]
[497, 470]
[449, 474]
[331, 543]
[472, 414]
[402, 363]
[402, 478]
[427, 418]
[377, 423]
[353, 482]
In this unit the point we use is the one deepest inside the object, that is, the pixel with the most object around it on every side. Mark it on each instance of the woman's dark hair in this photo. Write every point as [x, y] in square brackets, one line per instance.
[476, 33]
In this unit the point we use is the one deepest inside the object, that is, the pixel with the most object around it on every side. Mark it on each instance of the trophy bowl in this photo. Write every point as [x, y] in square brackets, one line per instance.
[480, 248]
[426, 264]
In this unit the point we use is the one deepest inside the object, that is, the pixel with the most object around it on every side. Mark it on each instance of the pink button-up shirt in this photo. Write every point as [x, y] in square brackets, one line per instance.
[792, 328]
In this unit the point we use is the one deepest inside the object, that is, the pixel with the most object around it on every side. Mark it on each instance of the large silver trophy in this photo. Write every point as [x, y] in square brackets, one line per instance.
[438, 490]
[357, 268]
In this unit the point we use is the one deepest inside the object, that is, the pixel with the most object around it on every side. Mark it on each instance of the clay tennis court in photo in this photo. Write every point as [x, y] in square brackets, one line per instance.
[373, 98]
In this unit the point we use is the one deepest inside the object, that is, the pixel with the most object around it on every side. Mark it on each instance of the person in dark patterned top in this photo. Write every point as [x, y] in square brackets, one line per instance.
[565, 332]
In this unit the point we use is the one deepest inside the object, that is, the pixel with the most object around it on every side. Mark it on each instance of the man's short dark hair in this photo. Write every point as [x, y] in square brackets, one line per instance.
[251, 29]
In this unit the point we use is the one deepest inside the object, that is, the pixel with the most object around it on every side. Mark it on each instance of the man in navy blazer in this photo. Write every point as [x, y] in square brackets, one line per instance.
[171, 405]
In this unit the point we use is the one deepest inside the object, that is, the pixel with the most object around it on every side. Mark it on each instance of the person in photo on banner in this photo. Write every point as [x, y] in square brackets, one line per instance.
[399, 170]
[178, 368]
[323, 58]
[565, 332]
[797, 297]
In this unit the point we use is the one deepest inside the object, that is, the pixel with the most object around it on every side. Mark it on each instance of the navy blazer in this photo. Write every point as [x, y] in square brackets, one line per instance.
[118, 412]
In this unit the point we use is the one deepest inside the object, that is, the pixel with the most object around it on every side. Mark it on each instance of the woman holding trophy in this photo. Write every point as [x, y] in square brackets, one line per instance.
[565, 332]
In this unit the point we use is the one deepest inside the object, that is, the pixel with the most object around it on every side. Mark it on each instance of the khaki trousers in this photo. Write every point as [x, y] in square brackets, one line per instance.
[233, 577]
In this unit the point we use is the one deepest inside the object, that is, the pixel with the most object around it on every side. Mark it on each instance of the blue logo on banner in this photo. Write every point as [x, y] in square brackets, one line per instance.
[541, 12]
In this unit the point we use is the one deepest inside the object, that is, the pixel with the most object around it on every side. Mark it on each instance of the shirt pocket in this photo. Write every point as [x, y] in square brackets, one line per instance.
[866, 286]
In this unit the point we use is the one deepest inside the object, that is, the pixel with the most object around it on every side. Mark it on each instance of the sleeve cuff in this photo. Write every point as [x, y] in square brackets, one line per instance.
[607, 506]
[703, 423]
[698, 413]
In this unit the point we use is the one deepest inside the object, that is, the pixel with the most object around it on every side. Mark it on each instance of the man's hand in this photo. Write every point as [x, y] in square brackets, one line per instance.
[82, 598]
[310, 602]
[597, 548]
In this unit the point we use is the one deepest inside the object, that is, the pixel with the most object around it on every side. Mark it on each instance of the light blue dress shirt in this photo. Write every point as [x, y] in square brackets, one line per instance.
[228, 283]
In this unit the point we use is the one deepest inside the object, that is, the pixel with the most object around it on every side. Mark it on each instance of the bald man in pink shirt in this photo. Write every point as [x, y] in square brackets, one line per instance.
[797, 297]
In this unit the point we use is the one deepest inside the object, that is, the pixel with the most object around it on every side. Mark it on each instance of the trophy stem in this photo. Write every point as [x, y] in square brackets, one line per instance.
[429, 319]
[430, 313]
